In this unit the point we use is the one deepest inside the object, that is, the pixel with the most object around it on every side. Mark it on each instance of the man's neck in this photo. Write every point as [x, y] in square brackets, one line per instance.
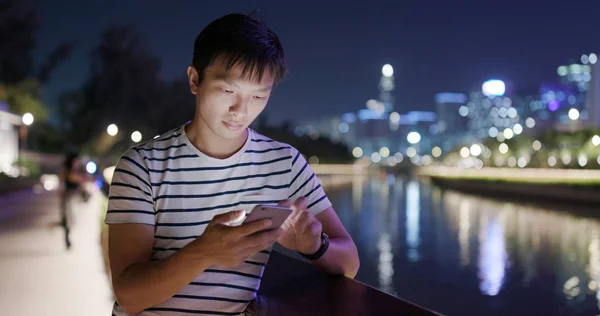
[210, 144]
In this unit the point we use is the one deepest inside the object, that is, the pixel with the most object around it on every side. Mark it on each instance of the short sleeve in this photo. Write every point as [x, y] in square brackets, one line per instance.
[130, 195]
[305, 183]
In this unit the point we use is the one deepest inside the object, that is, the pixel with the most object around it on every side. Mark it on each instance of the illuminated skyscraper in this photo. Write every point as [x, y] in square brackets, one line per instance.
[576, 80]
[490, 113]
[451, 126]
[386, 87]
[593, 96]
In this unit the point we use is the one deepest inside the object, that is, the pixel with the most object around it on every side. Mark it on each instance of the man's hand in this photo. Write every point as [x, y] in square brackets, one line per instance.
[230, 246]
[301, 230]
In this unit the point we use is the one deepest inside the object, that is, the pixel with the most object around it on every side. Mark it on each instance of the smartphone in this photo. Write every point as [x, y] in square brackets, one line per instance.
[277, 214]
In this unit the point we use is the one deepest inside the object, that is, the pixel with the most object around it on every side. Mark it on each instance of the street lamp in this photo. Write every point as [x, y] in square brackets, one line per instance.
[112, 130]
[27, 119]
[136, 137]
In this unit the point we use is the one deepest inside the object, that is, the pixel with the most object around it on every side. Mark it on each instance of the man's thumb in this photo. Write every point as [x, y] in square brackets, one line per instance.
[229, 217]
[285, 203]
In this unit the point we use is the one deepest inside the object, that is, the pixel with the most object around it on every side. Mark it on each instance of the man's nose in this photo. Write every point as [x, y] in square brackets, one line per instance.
[240, 108]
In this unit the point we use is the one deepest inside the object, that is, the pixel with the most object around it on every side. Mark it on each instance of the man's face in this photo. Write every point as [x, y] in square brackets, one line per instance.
[226, 101]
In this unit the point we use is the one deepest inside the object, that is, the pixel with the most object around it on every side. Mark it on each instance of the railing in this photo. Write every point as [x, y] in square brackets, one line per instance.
[291, 287]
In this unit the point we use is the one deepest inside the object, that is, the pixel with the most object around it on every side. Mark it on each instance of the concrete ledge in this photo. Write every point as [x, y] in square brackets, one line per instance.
[526, 175]
[542, 185]
[544, 193]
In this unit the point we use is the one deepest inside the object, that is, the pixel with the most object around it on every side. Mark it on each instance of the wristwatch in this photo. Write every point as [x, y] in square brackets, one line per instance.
[321, 251]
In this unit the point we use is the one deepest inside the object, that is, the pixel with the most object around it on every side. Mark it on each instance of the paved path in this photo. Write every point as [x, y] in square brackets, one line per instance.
[38, 275]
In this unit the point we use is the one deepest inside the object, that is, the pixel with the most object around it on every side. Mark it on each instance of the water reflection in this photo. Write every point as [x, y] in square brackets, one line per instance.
[413, 210]
[463, 232]
[447, 250]
[386, 264]
[492, 258]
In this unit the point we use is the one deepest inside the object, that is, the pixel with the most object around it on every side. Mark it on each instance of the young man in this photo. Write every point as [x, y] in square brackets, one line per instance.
[171, 249]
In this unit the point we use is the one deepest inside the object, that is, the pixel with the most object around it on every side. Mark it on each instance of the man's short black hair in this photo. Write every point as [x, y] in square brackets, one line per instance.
[239, 38]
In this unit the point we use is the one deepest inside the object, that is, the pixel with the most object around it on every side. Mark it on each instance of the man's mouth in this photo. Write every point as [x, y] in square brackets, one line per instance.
[233, 126]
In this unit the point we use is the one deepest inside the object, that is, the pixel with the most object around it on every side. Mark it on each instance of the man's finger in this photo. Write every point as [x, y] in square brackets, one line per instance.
[300, 203]
[229, 217]
[253, 227]
[285, 203]
[314, 228]
[297, 209]
[302, 221]
[263, 238]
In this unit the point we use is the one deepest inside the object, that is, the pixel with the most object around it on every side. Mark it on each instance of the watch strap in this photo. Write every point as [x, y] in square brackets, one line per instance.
[321, 251]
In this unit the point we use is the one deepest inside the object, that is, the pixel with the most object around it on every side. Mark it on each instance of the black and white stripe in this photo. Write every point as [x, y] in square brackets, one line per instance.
[168, 183]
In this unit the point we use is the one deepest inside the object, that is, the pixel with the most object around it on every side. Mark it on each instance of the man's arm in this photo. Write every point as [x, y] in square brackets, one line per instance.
[342, 256]
[309, 198]
[140, 283]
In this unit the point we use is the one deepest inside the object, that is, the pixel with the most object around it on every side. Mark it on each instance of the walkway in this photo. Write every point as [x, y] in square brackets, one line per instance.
[39, 276]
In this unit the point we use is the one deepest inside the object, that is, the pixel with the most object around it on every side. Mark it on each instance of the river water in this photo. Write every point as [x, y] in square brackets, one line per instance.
[460, 254]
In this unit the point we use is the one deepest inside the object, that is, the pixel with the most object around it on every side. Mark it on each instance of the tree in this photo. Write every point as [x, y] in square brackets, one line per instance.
[124, 88]
[18, 24]
[23, 97]
[178, 106]
[20, 79]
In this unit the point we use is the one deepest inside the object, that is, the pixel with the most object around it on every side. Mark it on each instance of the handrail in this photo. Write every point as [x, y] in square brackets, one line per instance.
[291, 287]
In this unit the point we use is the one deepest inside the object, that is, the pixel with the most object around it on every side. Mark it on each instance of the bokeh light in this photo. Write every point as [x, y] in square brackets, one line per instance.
[574, 114]
[136, 137]
[413, 137]
[112, 130]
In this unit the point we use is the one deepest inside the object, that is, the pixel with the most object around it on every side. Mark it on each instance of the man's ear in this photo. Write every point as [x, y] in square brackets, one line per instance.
[193, 79]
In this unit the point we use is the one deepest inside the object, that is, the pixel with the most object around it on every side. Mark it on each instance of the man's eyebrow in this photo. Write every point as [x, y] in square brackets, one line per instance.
[223, 77]
[265, 89]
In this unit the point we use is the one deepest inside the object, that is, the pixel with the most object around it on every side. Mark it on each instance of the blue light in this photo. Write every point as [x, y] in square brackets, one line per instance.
[91, 167]
[420, 116]
[450, 97]
[343, 127]
[99, 184]
[349, 117]
[493, 87]
[368, 114]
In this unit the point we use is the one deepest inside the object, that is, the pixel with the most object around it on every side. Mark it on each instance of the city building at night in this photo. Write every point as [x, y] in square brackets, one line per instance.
[491, 113]
[451, 125]
[376, 131]
[572, 102]
[386, 88]
[593, 96]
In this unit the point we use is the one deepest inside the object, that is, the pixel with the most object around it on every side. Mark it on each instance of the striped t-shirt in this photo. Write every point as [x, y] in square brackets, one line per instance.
[169, 183]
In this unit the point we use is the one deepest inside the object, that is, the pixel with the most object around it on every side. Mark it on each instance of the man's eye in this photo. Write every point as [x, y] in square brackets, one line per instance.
[257, 97]
[226, 91]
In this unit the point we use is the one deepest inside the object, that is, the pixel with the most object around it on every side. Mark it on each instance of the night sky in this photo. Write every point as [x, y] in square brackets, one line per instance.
[335, 49]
